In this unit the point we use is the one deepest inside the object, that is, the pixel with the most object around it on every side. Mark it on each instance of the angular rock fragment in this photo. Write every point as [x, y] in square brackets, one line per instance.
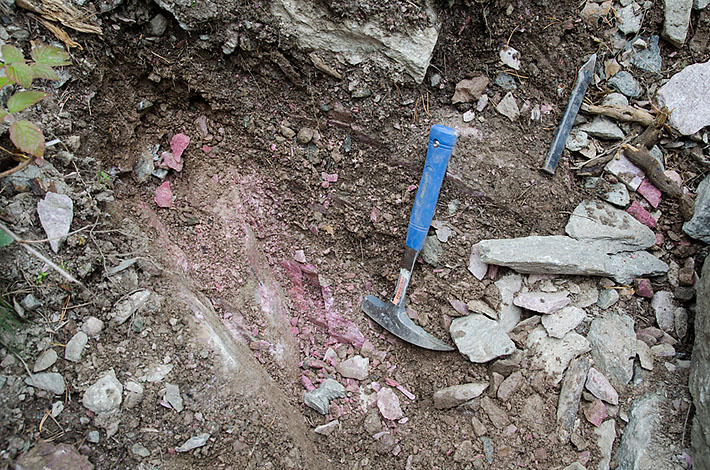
[542, 302]
[600, 387]
[554, 355]
[570, 393]
[105, 395]
[559, 323]
[455, 395]
[613, 346]
[480, 338]
[698, 226]
[319, 399]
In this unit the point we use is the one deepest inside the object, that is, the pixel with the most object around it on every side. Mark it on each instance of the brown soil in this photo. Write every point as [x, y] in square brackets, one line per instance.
[236, 327]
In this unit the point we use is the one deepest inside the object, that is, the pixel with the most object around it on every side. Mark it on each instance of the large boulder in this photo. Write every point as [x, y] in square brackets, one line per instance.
[700, 374]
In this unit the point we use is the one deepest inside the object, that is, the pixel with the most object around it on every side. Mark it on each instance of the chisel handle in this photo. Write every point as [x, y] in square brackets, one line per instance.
[441, 144]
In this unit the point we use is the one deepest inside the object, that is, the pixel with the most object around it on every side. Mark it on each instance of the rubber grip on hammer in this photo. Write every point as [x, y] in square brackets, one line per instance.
[441, 144]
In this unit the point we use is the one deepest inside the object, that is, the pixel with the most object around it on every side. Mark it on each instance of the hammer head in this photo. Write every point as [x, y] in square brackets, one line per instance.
[393, 318]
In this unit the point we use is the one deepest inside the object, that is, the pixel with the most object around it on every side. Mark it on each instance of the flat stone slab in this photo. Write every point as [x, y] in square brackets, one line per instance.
[553, 354]
[480, 338]
[542, 302]
[570, 393]
[559, 323]
[633, 452]
[564, 255]
[687, 93]
[613, 343]
[609, 228]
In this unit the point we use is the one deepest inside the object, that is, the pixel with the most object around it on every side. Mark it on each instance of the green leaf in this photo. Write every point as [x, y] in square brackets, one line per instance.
[12, 55]
[23, 100]
[44, 71]
[5, 239]
[50, 55]
[27, 137]
[20, 73]
[3, 115]
[4, 81]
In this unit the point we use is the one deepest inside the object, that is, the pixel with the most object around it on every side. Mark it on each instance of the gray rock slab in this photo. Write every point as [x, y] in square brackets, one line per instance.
[49, 381]
[508, 312]
[613, 344]
[570, 393]
[626, 84]
[553, 354]
[105, 395]
[577, 140]
[123, 309]
[193, 443]
[606, 435]
[629, 18]
[647, 59]
[633, 451]
[319, 399]
[75, 347]
[618, 195]
[603, 128]
[455, 395]
[479, 338]
[45, 360]
[609, 228]
[699, 380]
[663, 305]
[564, 255]
[698, 226]
[496, 414]
[687, 93]
[615, 99]
[315, 28]
[676, 21]
[558, 324]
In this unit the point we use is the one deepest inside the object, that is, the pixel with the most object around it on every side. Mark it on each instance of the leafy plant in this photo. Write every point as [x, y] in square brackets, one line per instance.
[103, 178]
[5, 239]
[26, 135]
[41, 276]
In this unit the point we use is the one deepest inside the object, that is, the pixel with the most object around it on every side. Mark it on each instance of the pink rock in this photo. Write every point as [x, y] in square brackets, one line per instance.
[163, 195]
[674, 176]
[626, 171]
[492, 271]
[542, 302]
[172, 161]
[659, 239]
[477, 267]
[388, 404]
[178, 144]
[600, 387]
[655, 333]
[650, 192]
[459, 306]
[641, 214]
[596, 412]
[643, 288]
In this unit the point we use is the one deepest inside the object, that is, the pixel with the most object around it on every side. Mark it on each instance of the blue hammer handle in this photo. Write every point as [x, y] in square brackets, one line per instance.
[441, 144]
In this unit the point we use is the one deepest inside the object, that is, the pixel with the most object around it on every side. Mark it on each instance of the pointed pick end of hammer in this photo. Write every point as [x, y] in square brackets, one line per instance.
[395, 320]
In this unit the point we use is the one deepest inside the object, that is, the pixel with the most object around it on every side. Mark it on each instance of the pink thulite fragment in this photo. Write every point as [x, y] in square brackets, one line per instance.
[650, 192]
[595, 412]
[163, 195]
[600, 387]
[388, 404]
[641, 214]
[643, 288]
[542, 302]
